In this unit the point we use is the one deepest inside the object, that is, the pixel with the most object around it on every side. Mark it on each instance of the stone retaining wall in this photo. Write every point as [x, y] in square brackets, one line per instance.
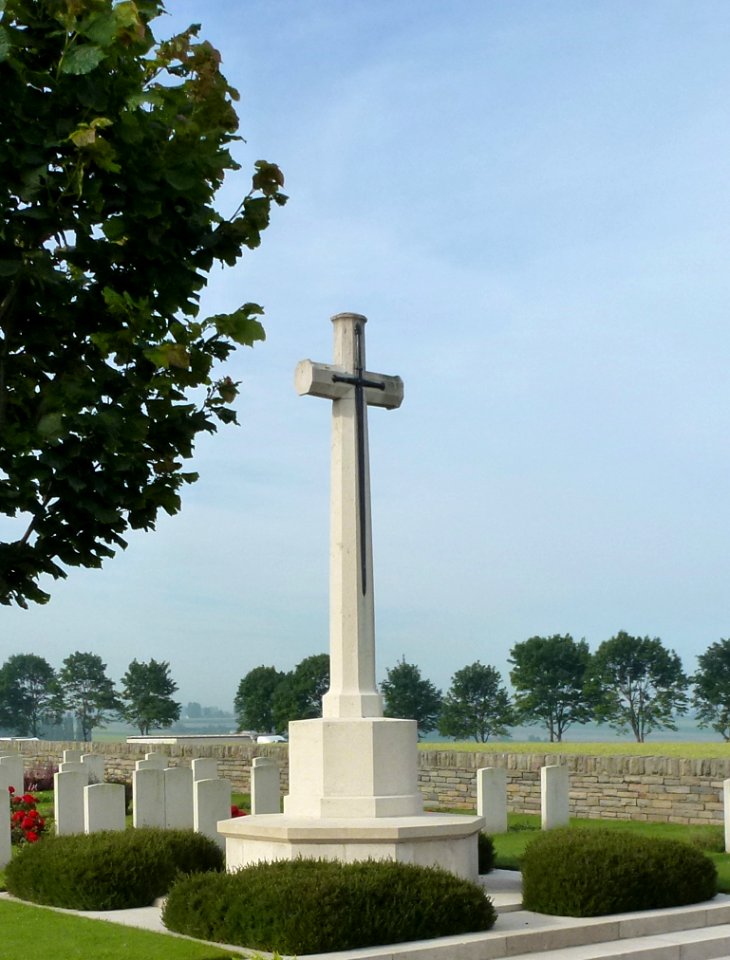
[613, 787]
[234, 760]
[666, 789]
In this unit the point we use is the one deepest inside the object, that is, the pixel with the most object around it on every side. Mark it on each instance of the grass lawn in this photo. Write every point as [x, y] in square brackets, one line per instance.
[62, 936]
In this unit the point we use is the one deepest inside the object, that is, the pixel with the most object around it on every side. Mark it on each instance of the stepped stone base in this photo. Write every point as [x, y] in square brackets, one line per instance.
[449, 842]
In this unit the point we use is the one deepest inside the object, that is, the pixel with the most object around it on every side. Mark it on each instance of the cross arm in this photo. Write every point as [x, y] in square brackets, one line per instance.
[318, 380]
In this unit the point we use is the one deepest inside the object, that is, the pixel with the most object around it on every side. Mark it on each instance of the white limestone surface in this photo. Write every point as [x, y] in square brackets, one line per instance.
[492, 798]
[104, 807]
[68, 801]
[426, 840]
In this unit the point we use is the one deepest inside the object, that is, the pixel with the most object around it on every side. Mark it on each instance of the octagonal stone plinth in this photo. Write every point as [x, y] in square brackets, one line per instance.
[427, 840]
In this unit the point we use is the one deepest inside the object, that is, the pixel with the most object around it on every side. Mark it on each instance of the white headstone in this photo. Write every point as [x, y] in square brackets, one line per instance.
[265, 786]
[492, 798]
[159, 758]
[6, 849]
[554, 796]
[104, 807]
[726, 812]
[205, 768]
[353, 691]
[94, 762]
[178, 798]
[212, 802]
[75, 766]
[68, 801]
[148, 797]
[11, 772]
[69, 756]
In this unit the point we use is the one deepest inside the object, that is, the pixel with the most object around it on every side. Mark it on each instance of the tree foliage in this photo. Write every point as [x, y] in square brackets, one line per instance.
[299, 694]
[28, 694]
[87, 691]
[638, 684]
[408, 695]
[113, 146]
[711, 698]
[548, 675]
[476, 705]
[254, 699]
[146, 695]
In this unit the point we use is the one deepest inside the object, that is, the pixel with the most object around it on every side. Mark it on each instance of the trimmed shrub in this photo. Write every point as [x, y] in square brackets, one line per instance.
[590, 873]
[317, 906]
[39, 777]
[486, 853]
[110, 870]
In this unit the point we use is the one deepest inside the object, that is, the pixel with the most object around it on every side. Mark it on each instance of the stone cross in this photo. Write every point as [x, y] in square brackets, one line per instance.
[352, 692]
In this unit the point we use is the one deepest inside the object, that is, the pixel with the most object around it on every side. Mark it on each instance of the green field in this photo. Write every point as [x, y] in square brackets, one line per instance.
[687, 749]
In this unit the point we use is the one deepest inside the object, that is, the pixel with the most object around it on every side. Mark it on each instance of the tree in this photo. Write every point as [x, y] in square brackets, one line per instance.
[549, 679]
[408, 695]
[147, 690]
[87, 691]
[638, 684]
[113, 146]
[299, 694]
[28, 694]
[711, 698]
[476, 705]
[254, 699]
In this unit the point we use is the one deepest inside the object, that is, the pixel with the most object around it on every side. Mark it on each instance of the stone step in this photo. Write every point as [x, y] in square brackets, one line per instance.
[712, 943]
[529, 934]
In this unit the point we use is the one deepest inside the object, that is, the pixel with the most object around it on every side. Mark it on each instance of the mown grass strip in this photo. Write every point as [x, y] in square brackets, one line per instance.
[687, 750]
[63, 936]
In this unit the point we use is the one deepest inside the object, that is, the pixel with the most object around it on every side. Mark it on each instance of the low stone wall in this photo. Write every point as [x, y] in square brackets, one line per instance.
[658, 788]
[667, 789]
[234, 760]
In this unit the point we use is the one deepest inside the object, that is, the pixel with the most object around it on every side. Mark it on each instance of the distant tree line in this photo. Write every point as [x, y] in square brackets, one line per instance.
[632, 684]
[34, 695]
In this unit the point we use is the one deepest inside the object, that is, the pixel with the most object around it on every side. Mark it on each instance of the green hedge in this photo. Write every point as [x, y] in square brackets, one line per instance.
[109, 870]
[487, 853]
[589, 873]
[317, 906]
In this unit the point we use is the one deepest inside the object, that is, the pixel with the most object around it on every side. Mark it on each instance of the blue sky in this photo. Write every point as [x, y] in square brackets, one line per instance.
[530, 203]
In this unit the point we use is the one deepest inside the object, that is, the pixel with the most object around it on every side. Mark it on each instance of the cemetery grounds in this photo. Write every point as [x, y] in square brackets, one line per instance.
[68, 937]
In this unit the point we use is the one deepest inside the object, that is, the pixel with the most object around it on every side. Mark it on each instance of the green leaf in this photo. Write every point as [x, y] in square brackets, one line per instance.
[82, 59]
[50, 427]
[168, 355]
[5, 45]
[240, 325]
[114, 229]
[101, 29]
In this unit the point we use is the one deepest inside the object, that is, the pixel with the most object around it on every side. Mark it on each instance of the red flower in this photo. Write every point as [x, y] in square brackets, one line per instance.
[29, 798]
[236, 811]
[17, 816]
[31, 837]
[11, 790]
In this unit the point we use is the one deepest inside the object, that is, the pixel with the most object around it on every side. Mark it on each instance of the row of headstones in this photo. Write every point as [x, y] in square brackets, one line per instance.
[554, 799]
[492, 797]
[168, 797]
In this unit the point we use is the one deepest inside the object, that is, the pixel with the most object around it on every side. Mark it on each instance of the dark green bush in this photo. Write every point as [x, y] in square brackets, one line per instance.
[486, 853]
[110, 870]
[316, 906]
[590, 873]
